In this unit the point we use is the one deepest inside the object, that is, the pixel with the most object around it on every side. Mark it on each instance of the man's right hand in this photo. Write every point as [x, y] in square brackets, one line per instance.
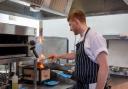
[62, 56]
[53, 56]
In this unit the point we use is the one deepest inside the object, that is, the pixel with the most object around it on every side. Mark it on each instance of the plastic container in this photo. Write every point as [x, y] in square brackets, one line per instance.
[15, 81]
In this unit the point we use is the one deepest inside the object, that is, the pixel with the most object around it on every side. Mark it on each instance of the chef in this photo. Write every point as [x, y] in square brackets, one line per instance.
[91, 69]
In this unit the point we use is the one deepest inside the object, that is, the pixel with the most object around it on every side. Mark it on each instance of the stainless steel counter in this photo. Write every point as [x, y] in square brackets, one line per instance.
[15, 59]
[59, 86]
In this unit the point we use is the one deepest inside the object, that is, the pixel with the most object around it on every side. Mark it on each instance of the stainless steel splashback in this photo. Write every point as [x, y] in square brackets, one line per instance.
[16, 29]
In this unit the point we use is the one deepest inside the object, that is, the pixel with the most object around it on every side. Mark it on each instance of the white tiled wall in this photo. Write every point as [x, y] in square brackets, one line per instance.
[118, 53]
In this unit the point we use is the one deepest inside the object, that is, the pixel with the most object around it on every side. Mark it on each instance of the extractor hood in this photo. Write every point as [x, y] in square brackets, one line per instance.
[101, 7]
[58, 7]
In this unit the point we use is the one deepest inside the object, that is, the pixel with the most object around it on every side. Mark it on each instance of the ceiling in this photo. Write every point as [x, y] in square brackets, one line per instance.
[90, 7]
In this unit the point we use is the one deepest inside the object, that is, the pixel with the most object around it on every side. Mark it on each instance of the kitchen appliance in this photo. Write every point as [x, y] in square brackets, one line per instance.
[14, 40]
[29, 75]
[14, 45]
[43, 72]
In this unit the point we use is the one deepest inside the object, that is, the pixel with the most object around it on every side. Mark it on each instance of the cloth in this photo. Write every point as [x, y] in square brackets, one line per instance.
[94, 44]
[92, 86]
[86, 70]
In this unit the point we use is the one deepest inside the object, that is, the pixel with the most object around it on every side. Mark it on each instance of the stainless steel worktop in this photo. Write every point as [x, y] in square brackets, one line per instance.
[59, 86]
[15, 59]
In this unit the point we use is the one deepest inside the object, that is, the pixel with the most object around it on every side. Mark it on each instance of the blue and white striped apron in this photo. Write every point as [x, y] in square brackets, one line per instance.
[86, 70]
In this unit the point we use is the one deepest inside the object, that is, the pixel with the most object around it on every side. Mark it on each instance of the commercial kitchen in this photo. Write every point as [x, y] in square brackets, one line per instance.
[30, 29]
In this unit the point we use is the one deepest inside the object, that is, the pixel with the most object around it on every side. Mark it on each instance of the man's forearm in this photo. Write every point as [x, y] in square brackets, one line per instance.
[103, 70]
[67, 56]
[102, 77]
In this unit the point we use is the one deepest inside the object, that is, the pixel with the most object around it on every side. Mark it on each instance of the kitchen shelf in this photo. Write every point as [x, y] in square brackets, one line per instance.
[115, 37]
[13, 45]
[118, 73]
[15, 59]
[116, 70]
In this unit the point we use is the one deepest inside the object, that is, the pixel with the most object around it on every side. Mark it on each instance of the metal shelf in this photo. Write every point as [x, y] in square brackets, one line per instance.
[115, 37]
[15, 59]
[13, 45]
[118, 73]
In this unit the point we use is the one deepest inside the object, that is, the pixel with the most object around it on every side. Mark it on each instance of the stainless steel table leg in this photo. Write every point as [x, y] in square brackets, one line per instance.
[35, 71]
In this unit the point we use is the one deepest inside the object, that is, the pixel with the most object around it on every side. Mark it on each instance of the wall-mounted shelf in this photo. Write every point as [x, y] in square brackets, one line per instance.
[115, 37]
[13, 45]
[117, 70]
[118, 73]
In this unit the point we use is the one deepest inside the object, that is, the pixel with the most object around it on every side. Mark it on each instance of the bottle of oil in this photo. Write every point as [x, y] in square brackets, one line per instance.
[14, 81]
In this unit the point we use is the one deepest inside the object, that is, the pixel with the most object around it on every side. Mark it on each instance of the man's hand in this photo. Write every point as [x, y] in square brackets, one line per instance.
[62, 56]
[53, 56]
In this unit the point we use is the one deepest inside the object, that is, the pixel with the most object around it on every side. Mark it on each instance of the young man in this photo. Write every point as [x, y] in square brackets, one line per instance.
[91, 69]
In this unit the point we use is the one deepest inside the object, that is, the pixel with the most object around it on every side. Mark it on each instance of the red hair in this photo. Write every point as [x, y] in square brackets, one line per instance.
[78, 14]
